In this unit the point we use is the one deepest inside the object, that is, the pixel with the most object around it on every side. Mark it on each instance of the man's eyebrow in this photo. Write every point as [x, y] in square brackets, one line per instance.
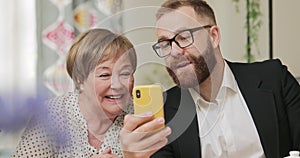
[163, 38]
[180, 29]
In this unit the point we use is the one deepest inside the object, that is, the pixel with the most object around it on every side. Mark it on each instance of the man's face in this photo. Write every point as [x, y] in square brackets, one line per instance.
[188, 66]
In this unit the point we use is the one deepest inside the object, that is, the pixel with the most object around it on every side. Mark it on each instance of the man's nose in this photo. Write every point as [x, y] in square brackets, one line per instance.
[175, 49]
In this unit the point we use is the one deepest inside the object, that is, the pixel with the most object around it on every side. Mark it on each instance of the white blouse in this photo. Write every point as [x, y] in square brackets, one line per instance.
[62, 131]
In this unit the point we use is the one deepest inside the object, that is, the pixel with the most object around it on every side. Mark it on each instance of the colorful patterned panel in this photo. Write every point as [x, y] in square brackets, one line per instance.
[105, 6]
[56, 78]
[61, 2]
[59, 37]
[84, 17]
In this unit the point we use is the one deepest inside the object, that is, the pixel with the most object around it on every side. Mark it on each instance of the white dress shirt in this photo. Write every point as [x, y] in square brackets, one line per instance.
[226, 126]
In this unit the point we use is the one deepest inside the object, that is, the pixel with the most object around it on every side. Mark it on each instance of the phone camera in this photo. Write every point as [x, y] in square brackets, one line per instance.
[138, 93]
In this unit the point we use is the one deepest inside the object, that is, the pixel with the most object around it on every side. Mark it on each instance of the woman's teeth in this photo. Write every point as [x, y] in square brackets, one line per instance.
[114, 96]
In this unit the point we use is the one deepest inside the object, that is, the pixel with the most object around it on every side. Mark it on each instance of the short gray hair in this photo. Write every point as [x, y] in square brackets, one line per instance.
[93, 47]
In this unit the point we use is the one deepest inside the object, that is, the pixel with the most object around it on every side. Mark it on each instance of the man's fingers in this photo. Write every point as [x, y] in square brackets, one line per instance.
[131, 122]
[153, 140]
[161, 135]
[144, 128]
[151, 126]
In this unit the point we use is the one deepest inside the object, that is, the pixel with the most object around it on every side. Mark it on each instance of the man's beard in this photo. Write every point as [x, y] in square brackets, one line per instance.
[203, 65]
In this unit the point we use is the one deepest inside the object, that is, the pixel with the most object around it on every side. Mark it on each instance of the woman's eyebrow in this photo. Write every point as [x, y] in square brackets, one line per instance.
[127, 66]
[102, 67]
[106, 67]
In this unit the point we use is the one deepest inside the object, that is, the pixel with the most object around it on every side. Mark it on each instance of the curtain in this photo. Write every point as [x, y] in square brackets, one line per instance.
[17, 47]
[35, 36]
[17, 62]
[58, 23]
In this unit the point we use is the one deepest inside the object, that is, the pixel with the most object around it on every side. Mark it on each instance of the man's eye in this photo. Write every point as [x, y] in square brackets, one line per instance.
[163, 44]
[183, 38]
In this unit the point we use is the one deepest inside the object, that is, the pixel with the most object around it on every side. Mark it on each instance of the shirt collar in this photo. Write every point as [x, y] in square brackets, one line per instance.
[228, 79]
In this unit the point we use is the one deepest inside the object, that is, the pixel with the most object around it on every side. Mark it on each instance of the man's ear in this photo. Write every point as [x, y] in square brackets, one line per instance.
[215, 36]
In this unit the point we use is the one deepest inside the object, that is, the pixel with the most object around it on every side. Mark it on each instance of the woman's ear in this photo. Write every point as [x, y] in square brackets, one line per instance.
[79, 86]
[215, 36]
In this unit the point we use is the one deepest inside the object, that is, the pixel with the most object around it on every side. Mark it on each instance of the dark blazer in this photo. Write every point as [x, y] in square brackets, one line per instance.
[272, 95]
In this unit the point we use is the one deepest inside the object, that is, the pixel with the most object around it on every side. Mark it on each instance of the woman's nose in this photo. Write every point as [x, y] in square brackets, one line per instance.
[115, 82]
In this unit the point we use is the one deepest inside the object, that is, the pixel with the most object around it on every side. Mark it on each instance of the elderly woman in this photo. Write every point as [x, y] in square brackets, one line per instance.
[88, 121]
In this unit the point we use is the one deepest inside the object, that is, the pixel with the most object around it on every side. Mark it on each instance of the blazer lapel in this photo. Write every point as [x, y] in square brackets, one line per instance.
[190, 142]
[260, 102]
[184, 127]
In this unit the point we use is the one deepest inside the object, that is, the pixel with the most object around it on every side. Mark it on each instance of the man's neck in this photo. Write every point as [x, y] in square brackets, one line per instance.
[210, 87]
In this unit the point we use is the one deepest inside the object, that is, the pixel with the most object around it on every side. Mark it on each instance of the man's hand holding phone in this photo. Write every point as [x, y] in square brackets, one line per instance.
[144, 132]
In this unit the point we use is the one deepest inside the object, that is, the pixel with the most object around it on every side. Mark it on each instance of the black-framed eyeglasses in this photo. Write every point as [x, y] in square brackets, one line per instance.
[183, 39]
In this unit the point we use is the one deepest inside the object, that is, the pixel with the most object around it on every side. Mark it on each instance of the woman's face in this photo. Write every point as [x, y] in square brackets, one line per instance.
[111, 83]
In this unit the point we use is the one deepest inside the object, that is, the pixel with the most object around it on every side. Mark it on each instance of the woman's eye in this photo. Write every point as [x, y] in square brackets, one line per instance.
[126, 74]
[104, 75]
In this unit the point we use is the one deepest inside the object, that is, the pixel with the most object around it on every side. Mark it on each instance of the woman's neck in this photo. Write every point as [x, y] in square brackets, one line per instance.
[97, 121]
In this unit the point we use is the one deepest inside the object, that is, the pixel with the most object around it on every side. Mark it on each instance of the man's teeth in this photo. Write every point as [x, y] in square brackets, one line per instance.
[114, 97]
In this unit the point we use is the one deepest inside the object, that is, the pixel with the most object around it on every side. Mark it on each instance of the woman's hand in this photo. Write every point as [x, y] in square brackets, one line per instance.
[105, 154]
[140, 137]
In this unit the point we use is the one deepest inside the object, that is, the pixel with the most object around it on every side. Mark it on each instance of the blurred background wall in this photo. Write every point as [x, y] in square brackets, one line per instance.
[23, 24]
[233, 34]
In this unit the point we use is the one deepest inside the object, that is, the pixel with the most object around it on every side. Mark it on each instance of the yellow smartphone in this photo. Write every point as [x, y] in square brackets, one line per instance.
[148, 98]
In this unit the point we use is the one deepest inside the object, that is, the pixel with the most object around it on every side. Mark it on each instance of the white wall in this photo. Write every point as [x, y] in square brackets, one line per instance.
[139, 27]
[286, 33]
[233, 33]
[140, 21]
